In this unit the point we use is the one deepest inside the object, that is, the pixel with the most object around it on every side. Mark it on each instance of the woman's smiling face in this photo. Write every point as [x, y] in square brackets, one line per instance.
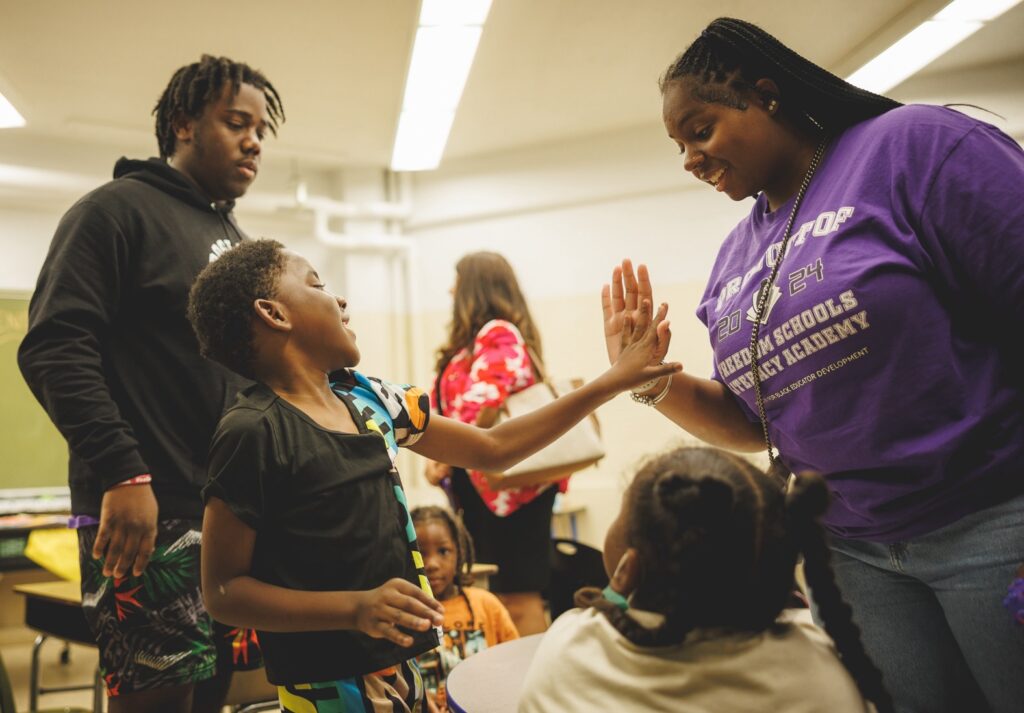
[731, 143]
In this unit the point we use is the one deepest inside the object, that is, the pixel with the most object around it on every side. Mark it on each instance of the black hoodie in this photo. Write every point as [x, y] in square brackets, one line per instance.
[109, 351]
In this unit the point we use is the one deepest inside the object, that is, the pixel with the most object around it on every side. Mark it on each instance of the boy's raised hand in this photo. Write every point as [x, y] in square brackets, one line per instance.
[397, 603]
[643, 343]
[622, 297]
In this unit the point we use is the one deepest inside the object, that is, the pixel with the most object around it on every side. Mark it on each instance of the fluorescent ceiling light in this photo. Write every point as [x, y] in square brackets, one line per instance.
[38, 178]
[420, 140]
[441, 59]
[927, 42]
[446, 41]
[980, 10]
[9, 116]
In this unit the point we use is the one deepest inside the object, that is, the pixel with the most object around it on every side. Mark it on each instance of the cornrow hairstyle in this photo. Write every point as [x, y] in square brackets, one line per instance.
[465, 554]
[196, 85]
[220, 301]
[731, 55]
[718, 545]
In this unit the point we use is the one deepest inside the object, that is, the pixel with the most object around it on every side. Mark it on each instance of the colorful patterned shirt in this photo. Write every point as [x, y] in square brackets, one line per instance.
[498, 365]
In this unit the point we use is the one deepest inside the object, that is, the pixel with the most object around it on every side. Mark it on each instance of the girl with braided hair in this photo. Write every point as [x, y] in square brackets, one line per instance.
[863, 320]
[474, 618]
[701, 562]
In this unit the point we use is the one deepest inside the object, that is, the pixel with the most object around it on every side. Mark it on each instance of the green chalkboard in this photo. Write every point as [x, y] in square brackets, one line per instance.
[32, 452]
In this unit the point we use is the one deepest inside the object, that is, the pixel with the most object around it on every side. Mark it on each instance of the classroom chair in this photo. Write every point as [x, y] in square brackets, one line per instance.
[573, 565]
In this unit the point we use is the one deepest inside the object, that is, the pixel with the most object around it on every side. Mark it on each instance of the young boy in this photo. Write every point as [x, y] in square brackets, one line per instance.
[307, 536]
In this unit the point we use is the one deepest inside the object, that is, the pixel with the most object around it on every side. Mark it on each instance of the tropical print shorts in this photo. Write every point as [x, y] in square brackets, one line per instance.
[152, 631]
[396, 689]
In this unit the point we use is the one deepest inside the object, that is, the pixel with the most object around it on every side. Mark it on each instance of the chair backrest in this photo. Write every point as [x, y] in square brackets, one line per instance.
[6, 692]
[573, 565]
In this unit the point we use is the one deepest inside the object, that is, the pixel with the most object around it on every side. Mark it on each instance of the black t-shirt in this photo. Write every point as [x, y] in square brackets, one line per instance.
[329, 513]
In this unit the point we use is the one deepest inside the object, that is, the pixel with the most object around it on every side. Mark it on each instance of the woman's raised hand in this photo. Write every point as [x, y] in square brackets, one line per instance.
[623, 297]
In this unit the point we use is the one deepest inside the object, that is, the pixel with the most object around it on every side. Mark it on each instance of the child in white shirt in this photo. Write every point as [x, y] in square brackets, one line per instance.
[701, 558]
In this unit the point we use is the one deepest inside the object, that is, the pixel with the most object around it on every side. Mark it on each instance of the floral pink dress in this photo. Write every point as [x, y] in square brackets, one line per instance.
[498, 365]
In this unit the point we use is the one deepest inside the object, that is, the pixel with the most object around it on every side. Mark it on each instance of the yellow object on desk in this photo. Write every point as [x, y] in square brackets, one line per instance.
[56, 551]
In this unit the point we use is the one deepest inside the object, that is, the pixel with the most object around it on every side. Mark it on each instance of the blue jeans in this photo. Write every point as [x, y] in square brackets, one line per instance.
[931, 615]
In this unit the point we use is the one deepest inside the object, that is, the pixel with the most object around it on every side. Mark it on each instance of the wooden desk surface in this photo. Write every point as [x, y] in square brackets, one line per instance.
[55, 609]
[62, 592]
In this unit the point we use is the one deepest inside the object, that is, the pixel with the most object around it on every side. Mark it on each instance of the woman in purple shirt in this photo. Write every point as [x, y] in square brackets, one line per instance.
[885, 352]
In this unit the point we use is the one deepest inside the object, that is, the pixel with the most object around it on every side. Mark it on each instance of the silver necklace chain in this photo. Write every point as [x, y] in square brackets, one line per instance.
[763, 300]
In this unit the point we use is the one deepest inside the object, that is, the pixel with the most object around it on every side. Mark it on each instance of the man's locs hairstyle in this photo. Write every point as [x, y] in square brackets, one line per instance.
[731, 55]
[196, 85]
[220, 303]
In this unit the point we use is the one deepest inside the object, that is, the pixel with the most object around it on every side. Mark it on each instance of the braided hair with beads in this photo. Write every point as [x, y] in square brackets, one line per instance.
[730, 55]
[718, 541]
[196, 85]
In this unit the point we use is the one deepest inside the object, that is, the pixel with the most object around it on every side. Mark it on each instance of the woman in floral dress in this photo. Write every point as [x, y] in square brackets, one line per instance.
[492, 342]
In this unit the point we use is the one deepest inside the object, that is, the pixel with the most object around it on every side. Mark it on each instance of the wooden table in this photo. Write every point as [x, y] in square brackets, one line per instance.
[491, 681]
[55, 609]
[482, 573]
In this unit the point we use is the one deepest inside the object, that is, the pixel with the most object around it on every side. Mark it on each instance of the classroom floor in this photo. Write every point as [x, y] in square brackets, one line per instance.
[16, 643]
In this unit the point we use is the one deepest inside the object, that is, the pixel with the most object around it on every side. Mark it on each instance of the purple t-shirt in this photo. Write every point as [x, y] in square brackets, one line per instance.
[886, 352]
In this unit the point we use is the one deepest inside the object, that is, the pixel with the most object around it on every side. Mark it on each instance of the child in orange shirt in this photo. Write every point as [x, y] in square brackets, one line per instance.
[473, 618]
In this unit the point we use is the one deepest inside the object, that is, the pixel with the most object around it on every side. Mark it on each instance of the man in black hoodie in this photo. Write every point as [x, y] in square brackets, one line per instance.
[111, 356]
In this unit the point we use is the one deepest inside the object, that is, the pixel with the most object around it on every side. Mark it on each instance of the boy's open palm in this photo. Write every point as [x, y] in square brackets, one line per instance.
[622, 298]
[642, 344]
[397, 603]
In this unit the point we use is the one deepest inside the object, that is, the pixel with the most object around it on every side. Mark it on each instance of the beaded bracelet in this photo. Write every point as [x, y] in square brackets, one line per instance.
[647, 385]
[652, 400]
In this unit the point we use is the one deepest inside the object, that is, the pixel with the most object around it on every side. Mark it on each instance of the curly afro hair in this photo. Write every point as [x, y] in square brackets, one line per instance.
[220, 301]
